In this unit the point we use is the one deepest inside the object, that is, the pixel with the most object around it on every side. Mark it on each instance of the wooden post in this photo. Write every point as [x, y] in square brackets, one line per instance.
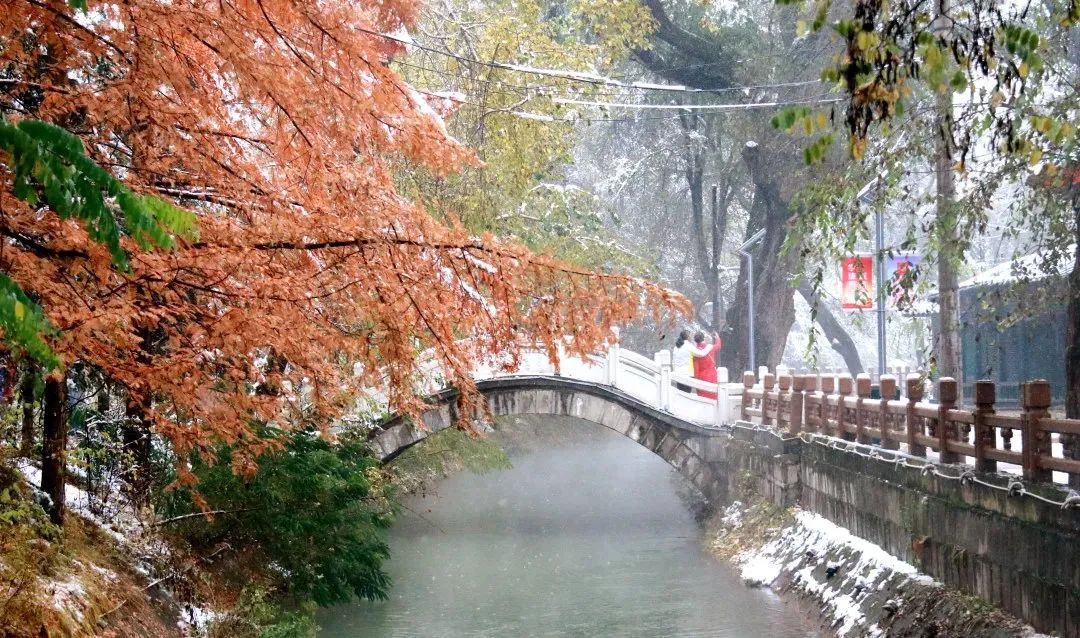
[795, 404]
[888, 391]
[946, 429]
[844, 383]
[862, 389]
[985, 396]
[747, 385]
[914, 389]
[783, 382]
[828, 385]
[767, 383]
[811, 385]
[1035, 400]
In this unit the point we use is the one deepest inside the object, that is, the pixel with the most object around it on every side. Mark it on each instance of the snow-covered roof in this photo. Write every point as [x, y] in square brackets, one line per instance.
[1033, 266]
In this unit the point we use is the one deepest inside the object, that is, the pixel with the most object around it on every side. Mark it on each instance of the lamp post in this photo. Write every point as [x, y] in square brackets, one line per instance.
[744, 250]
[865, 194]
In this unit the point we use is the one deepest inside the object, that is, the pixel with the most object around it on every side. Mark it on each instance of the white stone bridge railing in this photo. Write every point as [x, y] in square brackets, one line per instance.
[650, 380]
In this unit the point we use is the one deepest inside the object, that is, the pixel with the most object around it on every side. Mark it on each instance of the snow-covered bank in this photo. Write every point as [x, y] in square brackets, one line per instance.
[859, 588]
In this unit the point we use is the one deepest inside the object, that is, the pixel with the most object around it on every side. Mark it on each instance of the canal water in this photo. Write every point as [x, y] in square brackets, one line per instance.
[587, 536]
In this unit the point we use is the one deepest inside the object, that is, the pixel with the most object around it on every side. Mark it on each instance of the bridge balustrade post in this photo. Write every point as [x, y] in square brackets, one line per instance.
[887, 384]
[1035, 401]
[863, 384]
[663, 387]
[796, 403]
[946, 427]
[845, 385]
[723, 401]
[914, 389]
[613, 364]
[985, 397]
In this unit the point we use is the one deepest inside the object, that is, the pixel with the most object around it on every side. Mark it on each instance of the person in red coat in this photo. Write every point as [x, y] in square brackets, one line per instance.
[705, 361]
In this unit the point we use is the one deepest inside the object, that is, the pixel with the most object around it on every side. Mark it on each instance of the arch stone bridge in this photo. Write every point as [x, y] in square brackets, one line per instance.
[622, 391]
[690, 448]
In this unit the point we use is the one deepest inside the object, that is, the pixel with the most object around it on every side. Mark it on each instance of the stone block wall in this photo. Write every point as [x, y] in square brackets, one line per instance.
[1017, 552]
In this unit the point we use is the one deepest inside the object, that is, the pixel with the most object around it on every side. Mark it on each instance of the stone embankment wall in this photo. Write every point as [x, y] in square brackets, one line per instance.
[1014, 550]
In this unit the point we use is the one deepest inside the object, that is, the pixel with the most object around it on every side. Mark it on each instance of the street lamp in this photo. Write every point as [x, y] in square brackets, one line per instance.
[744, 250]
[865, 194]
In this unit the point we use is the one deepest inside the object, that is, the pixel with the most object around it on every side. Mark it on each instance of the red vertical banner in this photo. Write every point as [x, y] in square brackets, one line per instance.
[857, 283]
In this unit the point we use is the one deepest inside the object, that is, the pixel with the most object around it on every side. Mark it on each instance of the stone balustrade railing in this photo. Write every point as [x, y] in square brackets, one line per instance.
[1032, 441]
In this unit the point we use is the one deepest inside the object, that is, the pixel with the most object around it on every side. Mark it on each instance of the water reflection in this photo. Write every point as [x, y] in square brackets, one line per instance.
[585, 537]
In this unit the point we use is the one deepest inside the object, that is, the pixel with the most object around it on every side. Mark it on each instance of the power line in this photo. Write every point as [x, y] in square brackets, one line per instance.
[578, 76]
[690, 107]
[701, 109]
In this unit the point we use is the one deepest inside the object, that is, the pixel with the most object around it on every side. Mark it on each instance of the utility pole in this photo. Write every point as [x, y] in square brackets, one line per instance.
[715, 270]
[949, 248]
[865, 194]
[744, 250]
[882, 291]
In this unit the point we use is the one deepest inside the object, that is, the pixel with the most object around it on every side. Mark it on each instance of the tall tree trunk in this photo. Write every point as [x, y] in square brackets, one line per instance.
[774, 300]
[839, 339]
[54, 445]
[1072, 352]
[950, 250]
[26, 397]
[136, 431]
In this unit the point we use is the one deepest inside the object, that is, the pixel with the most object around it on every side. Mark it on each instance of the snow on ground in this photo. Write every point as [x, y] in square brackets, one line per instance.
[848, 576]
[799, 551]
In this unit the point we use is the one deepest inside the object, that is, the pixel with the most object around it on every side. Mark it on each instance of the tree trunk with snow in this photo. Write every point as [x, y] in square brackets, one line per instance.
[1072, 352]
[54, 446]
[950, 248]
[774, 301]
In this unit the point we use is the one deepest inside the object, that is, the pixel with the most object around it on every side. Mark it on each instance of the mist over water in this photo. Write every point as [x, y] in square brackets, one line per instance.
[585, 536]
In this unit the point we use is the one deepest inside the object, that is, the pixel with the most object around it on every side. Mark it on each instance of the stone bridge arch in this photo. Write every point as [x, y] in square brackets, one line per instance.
[691, 449]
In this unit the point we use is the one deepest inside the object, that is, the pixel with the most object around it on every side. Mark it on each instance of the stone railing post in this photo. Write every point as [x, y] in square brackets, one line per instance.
[914, 388]
[783, 394]
[1035, 400]
[863, 385]
[985, 396]
[747, 384]
[723, 401]
[663, 387]
[887, 383]
[613, 364]
[767, 383]
[796, 402]
[845, 385]
[948, 391]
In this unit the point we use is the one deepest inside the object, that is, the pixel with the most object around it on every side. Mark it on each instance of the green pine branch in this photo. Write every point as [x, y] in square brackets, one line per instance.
[50, 168]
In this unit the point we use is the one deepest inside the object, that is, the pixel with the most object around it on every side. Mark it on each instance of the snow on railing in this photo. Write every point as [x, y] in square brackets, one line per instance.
[650, 381]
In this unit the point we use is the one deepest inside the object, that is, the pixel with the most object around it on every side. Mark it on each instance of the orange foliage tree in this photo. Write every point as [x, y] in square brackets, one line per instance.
[279, 124]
